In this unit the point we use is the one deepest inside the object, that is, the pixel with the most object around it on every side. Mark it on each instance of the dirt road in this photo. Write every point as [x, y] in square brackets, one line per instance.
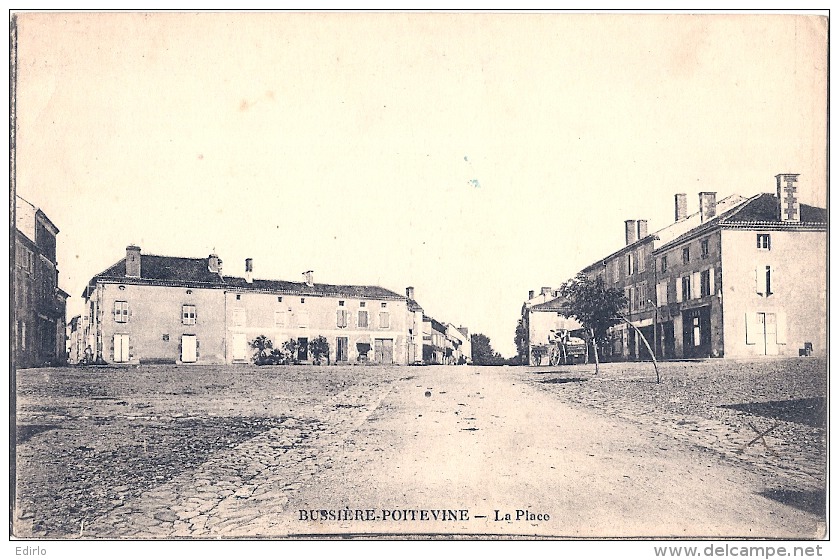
[433, 451]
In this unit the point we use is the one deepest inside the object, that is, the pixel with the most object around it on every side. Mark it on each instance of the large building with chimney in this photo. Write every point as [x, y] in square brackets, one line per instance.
[160, 309]
[38, 336]
[741, 277]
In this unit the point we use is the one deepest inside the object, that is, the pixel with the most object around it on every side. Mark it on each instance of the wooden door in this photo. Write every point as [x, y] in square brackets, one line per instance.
[189, 349]
[121, 348]
[240, 347]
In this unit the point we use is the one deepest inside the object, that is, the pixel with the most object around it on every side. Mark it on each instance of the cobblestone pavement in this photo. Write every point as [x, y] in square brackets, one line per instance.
[239, 453]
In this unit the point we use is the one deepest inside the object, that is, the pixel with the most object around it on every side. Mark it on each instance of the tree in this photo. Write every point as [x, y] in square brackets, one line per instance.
[595, 306]
[289, 351]
[318, 348]
[521, 342]
[263, 346]
[482, 352]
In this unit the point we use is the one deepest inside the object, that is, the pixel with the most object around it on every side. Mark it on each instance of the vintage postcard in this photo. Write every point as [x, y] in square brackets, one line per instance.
[419, 275]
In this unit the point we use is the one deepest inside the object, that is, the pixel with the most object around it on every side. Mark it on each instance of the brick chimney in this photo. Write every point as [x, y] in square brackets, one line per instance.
[530, 295]
[132, 261]
[631, 231]
[681, 206]
[249, 271]
[214, 263]
[308, 277]
[789, 209]
[707, 205]
[409, 292]
[642, 229]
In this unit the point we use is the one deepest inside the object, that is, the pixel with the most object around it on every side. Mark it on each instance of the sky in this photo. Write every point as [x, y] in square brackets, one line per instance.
[472, 156]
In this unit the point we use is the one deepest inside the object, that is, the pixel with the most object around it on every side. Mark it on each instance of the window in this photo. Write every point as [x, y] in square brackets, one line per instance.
[238, 296]
[763, 281]
[629, 264]
[685, 288]
[279, 299]
[362, 304]
[642, 257]
[705, 283]
[279, 318]
[384, 320]
[239, 317]
[121, 311]
[302, 300]
[342, 318]
[763, 241]
[664, 263]
[341, 303]
[704, 244]
[384, 304]
[188, 314]
[686, 255]
[303, 319]
[362, 318]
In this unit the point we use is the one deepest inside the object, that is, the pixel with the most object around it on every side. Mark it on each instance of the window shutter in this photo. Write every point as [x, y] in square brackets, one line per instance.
[751, 328]
[663, 298]
[769, 280]
[760, 283]
[695, 285]
[711, 281]
[679, 290]
[781, 327]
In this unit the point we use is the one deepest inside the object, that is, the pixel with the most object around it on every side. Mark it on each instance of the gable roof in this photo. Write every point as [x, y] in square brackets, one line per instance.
[666, 235]
[764, 208]
[301, 288]
[159, 270]
[558, 304]
[757, 212]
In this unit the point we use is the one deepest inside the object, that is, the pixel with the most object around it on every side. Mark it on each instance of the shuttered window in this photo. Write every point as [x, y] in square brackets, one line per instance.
[121, 311]
[384, 320]
[763, 280]
[188, 314]
[279, 318]
[342, 318]
[705, 283]
[362, 319]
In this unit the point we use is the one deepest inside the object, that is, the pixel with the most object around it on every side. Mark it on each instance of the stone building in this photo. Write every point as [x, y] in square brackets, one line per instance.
[38, 336]
[740, 277]
[160, 309]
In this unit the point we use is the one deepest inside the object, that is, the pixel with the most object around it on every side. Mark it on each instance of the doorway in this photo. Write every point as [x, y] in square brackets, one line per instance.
[240, 347]
[384, 350]
[189, 349]
[342, 345]
[121, 348]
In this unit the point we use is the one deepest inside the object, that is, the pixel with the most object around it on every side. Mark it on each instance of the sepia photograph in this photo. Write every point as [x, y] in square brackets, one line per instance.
[419, 275]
